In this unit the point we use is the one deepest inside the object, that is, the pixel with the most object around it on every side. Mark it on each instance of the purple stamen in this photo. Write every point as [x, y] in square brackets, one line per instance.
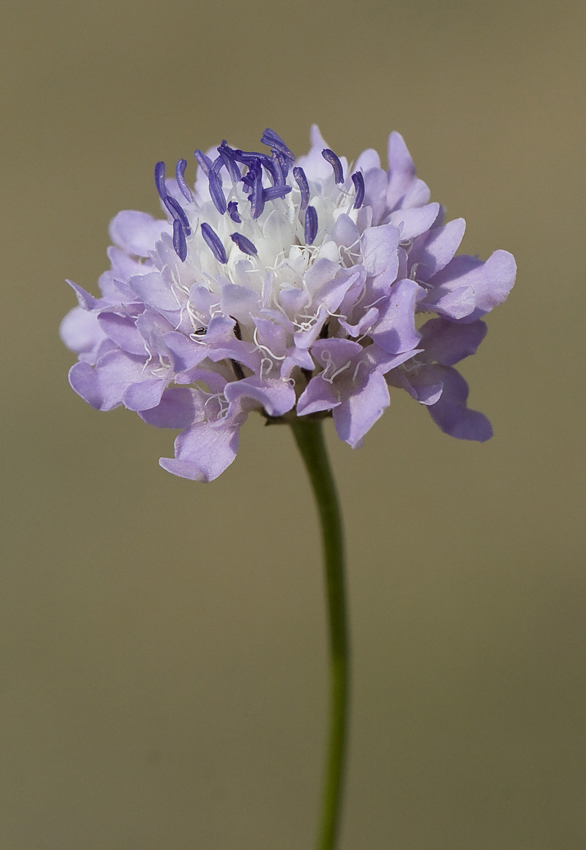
[180, 175]
[310, 225]
[281, 169]
[214, 243]
[246, 157]
[233, 212]
[283, 161]
[179, 242]
[358, 181]
[250, 158]
[228, 155]
[178, 213]
[160, 180]
[204, 161]
[253, 159]
[217, 164]
[301, 180]
[274, 192]
[243, 243]
[270, 138]
[269, 164]
[256, 196]
[216, 190]
[331, 157]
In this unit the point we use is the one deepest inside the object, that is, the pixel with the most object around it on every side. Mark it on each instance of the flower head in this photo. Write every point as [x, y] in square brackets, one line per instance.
[287, 286]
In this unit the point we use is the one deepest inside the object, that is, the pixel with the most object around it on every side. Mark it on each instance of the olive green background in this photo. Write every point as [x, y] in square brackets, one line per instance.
[162, 678]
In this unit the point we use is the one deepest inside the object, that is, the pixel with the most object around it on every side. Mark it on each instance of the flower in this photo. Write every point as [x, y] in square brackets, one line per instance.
[288, 286]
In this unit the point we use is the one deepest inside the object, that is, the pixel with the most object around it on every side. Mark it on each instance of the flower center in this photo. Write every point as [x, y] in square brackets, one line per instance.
[257, 222]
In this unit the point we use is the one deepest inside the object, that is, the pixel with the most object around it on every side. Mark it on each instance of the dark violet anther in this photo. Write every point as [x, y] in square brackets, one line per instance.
[283, 161]
[270, 138]
[204, 161]
[358, 181]
[178, 213]
[269, 164]
[248, 179]
[310, 225]
[253, 159]
[233, 212]
[281, 166]
[216, 190]
[160, 180]
[217, 164]
[243, 243]
[256, 196]
[275, 192]
[301, 179]
[250, 158]
[214, 243]
[180, 175]
[246, 157]
[331, 157]
[228, 155]
[179, 242]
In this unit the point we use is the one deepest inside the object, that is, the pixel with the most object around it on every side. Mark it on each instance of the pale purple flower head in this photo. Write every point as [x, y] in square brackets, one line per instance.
[293, 287]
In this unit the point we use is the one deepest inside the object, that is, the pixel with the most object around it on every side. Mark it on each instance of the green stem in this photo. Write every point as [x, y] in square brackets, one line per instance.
[309, 436]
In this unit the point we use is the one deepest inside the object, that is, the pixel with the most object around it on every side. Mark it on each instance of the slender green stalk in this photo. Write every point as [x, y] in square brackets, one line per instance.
[310, 440]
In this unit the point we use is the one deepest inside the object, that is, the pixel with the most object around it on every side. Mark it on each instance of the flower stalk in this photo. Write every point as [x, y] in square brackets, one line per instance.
[309, 437]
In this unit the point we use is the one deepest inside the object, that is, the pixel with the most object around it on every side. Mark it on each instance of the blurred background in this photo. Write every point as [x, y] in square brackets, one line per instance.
[163, 655]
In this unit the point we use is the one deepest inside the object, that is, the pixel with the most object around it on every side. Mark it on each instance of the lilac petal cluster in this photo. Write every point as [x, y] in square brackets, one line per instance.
[288, 286]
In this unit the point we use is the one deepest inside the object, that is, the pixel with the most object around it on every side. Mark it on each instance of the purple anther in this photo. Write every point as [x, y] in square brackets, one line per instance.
[281, 169]
[228, 155]
[216, 191]
[283, 161]
[217, 164]
[269, 165]
[257, 203]
[160, 180]
[180, 175]
[178, 213]
[274, 192]
[248, 157]
[214, 243]
[310, 225]
[179, 242]
[301, 180]
[253, 159]
[204, 161]
[243, 243]
[270, 138]
[233, 212]
[331, 157]
[358, 181]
